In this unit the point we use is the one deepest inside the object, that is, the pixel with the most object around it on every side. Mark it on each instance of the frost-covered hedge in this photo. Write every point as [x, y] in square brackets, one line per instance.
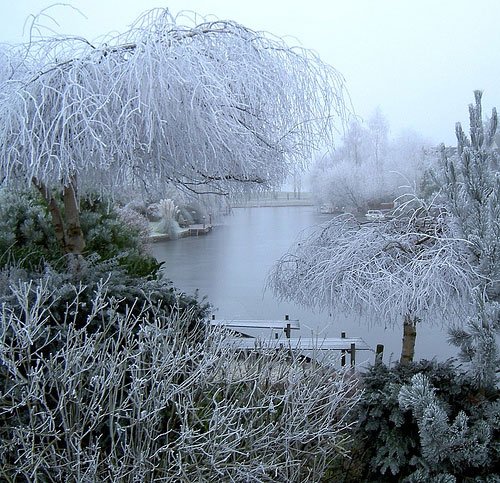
[27, 237]
[124, 392]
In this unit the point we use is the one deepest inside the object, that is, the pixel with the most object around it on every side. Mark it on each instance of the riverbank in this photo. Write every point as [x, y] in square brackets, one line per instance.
[272, 203]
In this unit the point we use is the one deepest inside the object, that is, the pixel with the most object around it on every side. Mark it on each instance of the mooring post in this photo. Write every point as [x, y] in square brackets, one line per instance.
[288, 328]
[353, 354]
[379, 354]
[342, 352]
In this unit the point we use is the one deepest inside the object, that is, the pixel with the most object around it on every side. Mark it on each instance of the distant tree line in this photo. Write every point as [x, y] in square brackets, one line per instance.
[368, 168]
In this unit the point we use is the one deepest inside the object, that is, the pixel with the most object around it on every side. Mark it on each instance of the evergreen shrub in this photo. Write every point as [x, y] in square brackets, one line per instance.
[27, 237]
[393, 440]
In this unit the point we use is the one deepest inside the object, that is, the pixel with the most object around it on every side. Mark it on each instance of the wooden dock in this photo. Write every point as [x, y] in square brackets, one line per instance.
[286, 325]
[192, 230]
[282, 339]
[199, 229]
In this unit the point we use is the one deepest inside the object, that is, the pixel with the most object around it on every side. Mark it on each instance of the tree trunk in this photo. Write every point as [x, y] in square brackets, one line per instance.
[409, 336]
[54, 210]
[67, 229]
[74, 240]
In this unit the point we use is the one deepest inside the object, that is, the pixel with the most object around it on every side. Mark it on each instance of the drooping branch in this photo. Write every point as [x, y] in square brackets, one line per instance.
[235, 104]
[384, 268]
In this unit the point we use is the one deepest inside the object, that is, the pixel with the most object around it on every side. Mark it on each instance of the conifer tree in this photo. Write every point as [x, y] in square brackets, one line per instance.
[472, 195]
[465, 442]
[450, 446]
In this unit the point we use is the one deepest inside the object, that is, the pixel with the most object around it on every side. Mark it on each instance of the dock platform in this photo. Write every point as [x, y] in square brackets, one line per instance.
[245, 342]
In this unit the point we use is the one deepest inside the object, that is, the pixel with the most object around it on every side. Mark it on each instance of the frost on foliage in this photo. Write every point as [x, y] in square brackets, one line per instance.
[131, 396]
[459, 442]
[408, 264]
[27, 237]
[421, 423]
[477, 340]
[472, 192]
[201, 105]
[135, 220]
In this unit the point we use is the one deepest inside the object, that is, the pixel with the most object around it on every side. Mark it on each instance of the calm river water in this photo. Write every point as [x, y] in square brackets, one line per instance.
[230, 266]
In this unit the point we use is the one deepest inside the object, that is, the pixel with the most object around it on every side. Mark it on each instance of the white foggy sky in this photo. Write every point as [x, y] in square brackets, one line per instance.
[418, 60]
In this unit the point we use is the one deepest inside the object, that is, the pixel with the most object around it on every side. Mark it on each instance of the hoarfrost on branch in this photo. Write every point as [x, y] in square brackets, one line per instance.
[142, 399]
[204, 106]
[406, 265]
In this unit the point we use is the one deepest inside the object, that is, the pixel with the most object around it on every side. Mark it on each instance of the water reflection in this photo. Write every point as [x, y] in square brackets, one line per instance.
[230, 266]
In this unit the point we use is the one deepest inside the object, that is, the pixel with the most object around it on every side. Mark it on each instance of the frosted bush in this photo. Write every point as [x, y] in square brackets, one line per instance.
[139, 398]
[135, 220]
[168, 223]
[137, 205]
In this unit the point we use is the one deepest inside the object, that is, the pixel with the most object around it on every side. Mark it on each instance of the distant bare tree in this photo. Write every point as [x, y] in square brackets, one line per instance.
[206, 106]
[355, 140]
[378, 133]
[367, 168]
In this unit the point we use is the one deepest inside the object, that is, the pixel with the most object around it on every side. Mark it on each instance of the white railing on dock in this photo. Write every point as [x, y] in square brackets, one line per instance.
[345, 345]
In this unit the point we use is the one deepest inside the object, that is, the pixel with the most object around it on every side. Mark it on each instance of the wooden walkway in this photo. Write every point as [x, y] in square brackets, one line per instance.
[245, 342]
[199, 229]
[192, 230]
[286, 325]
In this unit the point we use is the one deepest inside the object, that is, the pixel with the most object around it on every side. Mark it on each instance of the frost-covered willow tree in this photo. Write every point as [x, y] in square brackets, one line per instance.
[405, 269]
[207, 106]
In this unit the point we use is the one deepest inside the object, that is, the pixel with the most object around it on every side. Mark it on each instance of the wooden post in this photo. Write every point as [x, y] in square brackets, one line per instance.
[342, 352]
[379, 354]
[288, 328]
[353, 354]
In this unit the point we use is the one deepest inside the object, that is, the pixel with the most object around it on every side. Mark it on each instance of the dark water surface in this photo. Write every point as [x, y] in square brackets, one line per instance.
[230, 266]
